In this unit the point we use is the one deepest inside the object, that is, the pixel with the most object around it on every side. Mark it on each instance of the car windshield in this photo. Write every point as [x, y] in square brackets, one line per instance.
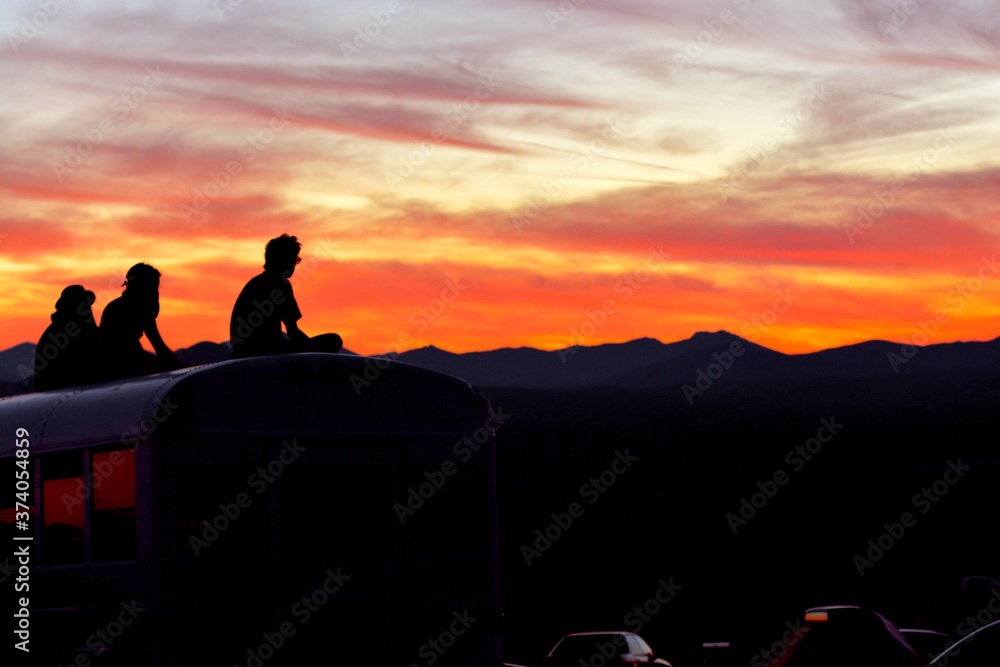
[583, 646]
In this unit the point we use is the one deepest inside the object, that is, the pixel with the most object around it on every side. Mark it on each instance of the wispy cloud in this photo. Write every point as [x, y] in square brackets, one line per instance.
[408, 104]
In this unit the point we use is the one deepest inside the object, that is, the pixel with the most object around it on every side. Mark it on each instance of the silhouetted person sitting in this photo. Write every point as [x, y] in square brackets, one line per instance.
[267, 302]
[68, 352]
[127, 318]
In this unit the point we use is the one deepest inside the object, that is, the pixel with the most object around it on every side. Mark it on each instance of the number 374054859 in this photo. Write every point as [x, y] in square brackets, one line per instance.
[22, 474]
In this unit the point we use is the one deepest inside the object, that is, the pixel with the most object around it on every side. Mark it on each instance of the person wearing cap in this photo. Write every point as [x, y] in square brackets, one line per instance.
[267, 302]
[67, 354]
[126, 319]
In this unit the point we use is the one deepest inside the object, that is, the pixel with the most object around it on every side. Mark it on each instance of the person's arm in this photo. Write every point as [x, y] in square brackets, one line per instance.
[294, 332]
[156, 340]
[290, 316]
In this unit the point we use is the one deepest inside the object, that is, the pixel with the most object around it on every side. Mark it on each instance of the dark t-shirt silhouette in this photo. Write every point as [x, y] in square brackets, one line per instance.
[265, 303]
[123, 324]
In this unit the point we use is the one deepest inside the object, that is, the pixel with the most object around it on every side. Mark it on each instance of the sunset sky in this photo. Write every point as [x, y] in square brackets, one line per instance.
[487, 173]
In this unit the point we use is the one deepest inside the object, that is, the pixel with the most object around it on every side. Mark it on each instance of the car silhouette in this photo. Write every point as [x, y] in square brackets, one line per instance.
[849, 635]
[976, 649]
[606, 648]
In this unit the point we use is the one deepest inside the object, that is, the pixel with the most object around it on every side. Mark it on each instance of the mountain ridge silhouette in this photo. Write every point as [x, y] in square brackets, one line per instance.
[640, 363]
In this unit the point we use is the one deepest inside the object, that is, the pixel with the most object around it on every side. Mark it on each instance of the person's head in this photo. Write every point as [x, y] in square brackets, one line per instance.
[282, 254]
[143, 281]
[75, 303]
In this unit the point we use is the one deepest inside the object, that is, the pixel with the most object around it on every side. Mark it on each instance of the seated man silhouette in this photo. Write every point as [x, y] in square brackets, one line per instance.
[267, 302]
[127, 319]
[68, 353]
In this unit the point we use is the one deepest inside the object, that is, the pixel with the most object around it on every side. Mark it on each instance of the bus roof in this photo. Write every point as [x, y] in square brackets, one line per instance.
[296, 394]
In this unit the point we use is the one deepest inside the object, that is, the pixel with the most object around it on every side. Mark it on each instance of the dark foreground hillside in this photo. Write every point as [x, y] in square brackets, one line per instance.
[909, 463]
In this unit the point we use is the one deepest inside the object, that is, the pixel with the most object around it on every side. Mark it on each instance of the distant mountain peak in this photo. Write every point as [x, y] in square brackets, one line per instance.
[720, 334]
[432, 350]
[645, 341]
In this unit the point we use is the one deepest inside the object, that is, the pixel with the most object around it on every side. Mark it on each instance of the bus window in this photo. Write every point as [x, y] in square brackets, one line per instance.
[335, 510]
[63, 497]
[455, 520]
[113, 527]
